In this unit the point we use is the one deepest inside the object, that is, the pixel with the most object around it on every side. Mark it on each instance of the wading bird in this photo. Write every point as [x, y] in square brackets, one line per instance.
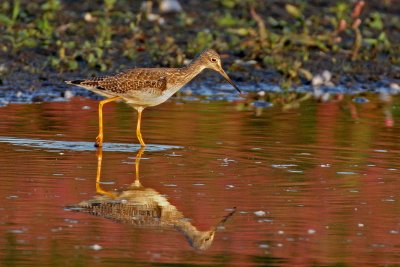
[147, 87]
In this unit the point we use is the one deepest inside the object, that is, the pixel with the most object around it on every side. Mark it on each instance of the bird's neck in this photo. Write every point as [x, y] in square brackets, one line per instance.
[191, 70]
[195, 237]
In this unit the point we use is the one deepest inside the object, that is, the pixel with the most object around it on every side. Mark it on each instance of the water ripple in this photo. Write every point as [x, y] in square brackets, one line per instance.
[52, 145]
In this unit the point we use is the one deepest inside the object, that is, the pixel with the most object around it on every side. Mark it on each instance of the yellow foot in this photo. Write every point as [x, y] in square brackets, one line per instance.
[99, 141]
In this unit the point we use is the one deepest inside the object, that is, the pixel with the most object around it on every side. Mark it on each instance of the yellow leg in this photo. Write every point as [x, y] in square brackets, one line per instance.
[99, 138]
[137, 162]
[99, 190]
[139, 121]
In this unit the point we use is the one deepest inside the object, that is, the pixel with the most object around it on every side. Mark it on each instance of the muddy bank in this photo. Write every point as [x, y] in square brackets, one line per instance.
[266, 46]
[201, 90]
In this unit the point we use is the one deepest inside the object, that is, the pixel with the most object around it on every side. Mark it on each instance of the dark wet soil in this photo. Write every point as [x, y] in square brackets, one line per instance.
[25, 78]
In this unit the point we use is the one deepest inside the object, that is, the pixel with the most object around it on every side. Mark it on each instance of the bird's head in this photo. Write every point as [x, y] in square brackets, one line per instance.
[211, 60]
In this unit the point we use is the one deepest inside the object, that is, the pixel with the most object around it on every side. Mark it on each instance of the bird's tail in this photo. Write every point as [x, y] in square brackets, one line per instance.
[76, 82]
[86, 83]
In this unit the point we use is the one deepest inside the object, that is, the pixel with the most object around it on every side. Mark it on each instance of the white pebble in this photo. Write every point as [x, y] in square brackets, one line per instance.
[260, 213]
[3, 68]
[394, 86]
[261, 93]
[88, 17]
[153, 17]
[317, 80]
[96, 247]
[68, 94]
[167, 6]
[311, 231]
[327, 75]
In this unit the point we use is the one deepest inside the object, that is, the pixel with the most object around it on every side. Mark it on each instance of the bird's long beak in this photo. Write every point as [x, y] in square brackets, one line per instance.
[223, 73]
[225, 218]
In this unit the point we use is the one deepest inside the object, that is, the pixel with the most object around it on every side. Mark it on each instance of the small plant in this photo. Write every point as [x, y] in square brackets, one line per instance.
[352, 23]
[285, 36]
[262, 29]
[104, 28]
[167, 50]
[93, 52]
[203, 40]
[16, 37]
[356, 28]
[131, 45]
[93, 55]
[65, 59]
[44, 22]
[10, 22]
[229, 3]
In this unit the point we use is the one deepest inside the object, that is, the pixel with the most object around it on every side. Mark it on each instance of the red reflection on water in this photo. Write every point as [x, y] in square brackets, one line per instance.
[327, 181]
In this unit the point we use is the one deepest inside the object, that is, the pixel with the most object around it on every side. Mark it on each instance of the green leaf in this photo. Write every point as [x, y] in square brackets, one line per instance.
[55, 62]
[370, 41]
[239, 31]
[228, 3]
[226, 20]
[5, 20]
[91, 59]
[99, 51]
[30, 42]
[8, 37]
[293, 10]
[382, 37]
[109, 4]
[16, 9]
[51, 5]
[72, 65]
[375, 21]
[341, 9]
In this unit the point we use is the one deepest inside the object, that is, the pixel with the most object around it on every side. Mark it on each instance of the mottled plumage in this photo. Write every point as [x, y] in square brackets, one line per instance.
[146, 87]
[133, 80]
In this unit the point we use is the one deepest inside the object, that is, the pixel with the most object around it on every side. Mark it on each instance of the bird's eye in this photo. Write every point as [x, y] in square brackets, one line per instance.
[213, 59]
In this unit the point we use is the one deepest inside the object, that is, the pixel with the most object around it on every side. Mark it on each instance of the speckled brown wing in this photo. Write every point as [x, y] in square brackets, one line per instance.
[144, 80]
[135, 80]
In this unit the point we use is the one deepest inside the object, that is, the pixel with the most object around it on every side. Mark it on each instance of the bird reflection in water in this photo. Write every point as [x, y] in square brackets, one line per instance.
[144, 207]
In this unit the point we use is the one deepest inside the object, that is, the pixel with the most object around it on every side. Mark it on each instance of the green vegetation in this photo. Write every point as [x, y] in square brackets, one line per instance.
[289, 37]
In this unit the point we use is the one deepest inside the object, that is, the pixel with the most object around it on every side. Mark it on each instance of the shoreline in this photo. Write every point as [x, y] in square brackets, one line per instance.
[197, 90]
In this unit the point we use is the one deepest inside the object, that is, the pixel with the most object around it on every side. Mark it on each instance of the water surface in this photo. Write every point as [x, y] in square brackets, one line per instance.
[314, 183]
